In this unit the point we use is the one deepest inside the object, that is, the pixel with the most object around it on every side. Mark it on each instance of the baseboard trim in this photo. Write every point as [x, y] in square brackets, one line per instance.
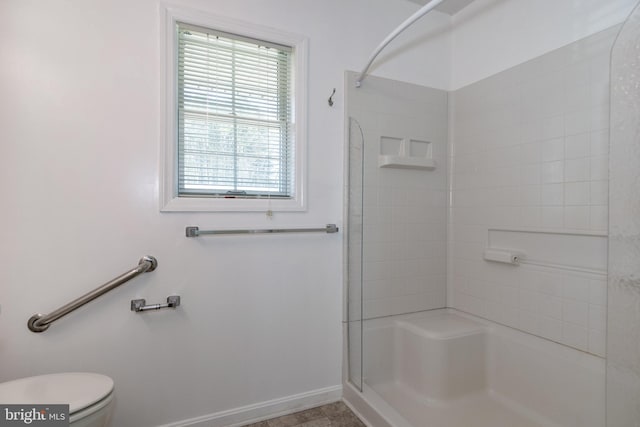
[264, 410]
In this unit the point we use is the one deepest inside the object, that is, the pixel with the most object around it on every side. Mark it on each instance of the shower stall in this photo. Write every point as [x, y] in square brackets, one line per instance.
[492, 252]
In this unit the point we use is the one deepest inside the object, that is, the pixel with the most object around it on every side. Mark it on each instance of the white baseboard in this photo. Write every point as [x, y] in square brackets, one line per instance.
[264, 410]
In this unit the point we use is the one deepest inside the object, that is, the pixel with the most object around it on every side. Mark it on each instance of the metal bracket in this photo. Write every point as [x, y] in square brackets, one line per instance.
[192, 231]
[138, 305]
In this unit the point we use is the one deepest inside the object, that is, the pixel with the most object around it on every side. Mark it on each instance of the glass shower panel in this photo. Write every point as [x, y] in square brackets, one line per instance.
[396, 216]
[354, 252]
[623, 293]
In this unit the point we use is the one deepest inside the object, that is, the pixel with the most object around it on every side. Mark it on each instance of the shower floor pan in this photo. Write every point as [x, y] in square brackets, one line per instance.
[444, 368]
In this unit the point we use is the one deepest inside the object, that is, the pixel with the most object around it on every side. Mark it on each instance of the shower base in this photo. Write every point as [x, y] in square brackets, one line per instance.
[477, 410]
[445, 368]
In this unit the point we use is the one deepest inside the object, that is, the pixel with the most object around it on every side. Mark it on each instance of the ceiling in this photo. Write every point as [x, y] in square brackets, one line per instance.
[448, 6]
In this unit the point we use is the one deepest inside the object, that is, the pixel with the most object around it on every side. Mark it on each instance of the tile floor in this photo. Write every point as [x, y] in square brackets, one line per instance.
[332, 415]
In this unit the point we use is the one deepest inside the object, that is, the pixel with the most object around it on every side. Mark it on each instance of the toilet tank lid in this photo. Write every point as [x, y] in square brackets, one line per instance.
[79, 389]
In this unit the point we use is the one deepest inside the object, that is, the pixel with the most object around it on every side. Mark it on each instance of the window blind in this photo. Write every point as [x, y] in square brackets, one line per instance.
[235, 118]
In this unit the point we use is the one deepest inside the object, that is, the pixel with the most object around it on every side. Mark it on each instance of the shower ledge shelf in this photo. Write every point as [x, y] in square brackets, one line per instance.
[406, 162]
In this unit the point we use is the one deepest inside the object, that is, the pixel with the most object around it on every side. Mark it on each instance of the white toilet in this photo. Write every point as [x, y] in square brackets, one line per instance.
[90, 396]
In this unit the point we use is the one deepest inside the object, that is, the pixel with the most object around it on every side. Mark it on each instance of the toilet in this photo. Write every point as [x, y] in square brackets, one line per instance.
[90, 396]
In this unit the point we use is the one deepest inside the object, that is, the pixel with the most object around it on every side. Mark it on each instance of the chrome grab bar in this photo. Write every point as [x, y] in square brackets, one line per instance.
[195, 231]
[39, 322]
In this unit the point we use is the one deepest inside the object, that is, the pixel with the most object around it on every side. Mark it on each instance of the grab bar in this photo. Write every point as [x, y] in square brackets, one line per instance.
[39, 322]
[195, 231]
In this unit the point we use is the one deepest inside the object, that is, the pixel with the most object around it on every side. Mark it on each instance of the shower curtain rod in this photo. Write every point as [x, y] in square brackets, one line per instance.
[413, 18]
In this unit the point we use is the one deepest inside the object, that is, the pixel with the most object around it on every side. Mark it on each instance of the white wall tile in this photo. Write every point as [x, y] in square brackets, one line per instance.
[531, 131]
[530, 152]
[553, 127]
[598, 291]
[530, 195]
[577, 146]
[552, 217]
[550, 306]
[552, 195]
[529, 301]
[599, 168]
[575, 335]
[528, 322]
[577, 193]
[552, 172]
[576, 170]
[575, 312]
[597, 317]
[577, 122]
[597, 342]
[599, 217]
[599, 118]
[577, 217]
[531, 217]
[550, 328]
[552, 149]
[531, 174]
[576, 287]
[599, 143]
[578, 93]
[599, 193]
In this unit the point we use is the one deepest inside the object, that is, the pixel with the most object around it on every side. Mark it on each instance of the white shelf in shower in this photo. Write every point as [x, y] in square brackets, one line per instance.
[406, 162]
[405, 153]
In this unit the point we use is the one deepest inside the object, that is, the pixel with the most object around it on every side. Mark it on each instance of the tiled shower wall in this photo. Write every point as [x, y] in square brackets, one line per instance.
[404, 210]
[529, 152]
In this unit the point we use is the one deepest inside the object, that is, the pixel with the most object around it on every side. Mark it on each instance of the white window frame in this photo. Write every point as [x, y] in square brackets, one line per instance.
[169, 200]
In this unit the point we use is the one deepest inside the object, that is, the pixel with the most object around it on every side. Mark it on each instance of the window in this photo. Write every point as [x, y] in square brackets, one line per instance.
[234, 115]
[235, 134]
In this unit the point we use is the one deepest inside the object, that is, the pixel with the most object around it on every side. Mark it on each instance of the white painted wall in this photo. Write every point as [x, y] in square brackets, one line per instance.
[490, 36]
[80, 120]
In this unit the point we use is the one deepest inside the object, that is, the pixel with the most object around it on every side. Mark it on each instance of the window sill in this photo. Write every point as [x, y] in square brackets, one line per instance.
[204, 204]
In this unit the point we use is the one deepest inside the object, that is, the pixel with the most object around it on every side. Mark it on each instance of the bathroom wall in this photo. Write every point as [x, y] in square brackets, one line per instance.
[404, 210]
[530, 155]
[490, 36]
[259, 328]
[80, 119]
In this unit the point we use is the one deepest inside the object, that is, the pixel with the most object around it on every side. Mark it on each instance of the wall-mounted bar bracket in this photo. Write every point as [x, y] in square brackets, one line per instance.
[138, 305]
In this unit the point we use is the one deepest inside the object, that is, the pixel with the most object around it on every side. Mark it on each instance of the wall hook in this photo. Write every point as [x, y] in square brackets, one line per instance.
[331, 97]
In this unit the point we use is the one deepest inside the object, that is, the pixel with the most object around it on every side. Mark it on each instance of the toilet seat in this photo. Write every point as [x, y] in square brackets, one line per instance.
[90, 411]
[84, 392]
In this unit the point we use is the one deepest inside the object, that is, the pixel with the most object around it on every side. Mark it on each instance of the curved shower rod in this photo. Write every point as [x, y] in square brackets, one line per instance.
[413, 18]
